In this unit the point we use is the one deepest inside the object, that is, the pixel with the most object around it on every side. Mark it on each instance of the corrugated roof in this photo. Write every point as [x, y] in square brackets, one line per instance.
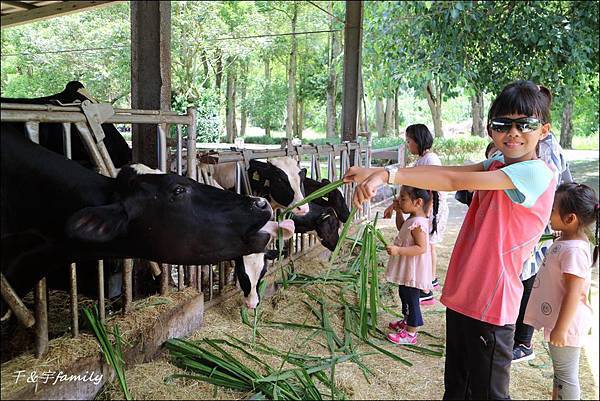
[22, 12]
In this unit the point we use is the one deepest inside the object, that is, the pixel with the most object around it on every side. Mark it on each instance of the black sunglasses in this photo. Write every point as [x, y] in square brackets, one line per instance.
[524, 124]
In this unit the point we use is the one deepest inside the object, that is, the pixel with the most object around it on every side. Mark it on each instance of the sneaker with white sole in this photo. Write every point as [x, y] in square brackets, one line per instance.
[402, 337]
[426, 298]
[435, 283]
[523, 353]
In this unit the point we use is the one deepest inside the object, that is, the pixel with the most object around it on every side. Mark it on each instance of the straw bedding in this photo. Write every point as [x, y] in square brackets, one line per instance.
[63, 350]
[389, 380]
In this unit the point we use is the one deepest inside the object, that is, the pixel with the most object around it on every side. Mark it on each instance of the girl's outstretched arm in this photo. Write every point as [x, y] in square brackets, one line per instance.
[574, 290]
[437, 178]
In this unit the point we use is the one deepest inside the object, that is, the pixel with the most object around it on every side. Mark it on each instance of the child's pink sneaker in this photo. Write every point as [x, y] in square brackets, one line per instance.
[402, 337]
[398, 325]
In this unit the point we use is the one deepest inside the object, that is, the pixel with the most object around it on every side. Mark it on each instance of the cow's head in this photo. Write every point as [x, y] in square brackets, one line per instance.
[327, 228]
[173, 219]
[281, 181]
[333, 199]
[250, 269]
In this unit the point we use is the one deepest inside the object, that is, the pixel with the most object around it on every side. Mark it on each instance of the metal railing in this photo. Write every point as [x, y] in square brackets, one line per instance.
[211, 279]
[88, 118]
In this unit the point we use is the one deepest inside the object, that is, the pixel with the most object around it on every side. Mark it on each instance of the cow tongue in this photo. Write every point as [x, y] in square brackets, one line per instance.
[287, 228]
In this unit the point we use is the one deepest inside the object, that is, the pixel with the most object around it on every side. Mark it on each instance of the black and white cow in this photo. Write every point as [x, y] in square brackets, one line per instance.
[54, 211]
[250, 269]
[333, 199]
[50, 134]
[322, 220]
[279, 180]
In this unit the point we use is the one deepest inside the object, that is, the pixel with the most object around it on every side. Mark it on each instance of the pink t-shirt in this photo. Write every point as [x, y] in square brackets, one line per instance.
[411, 271]
[500, 230]
[572, 257]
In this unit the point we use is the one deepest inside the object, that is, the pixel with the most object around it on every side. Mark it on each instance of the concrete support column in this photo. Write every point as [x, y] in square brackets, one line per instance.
[150, 72]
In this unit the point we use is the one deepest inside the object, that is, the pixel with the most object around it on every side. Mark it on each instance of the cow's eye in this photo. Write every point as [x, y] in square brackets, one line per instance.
[178, 190]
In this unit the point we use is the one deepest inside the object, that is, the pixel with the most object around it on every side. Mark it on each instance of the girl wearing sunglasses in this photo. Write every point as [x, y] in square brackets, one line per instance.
[505, 220]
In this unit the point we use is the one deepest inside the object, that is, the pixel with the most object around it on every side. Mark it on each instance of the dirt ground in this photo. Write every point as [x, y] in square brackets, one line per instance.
[390, 379]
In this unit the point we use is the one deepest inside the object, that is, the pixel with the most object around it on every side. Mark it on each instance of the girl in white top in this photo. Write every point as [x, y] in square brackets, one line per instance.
[419, 142]
[558, 301]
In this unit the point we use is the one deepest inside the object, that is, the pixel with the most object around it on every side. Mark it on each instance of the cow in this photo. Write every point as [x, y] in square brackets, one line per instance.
[279, 180]
[321, 219]
[250, 269]
[50, 134]
[55, 211]
[333, 199]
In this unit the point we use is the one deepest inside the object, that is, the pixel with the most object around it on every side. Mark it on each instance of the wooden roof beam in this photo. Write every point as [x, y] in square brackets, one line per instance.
[49, 11]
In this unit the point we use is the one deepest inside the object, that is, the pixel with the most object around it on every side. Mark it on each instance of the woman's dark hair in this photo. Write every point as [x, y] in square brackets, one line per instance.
[421, 135]
[582, 201]
[427, 196]
[522, 97]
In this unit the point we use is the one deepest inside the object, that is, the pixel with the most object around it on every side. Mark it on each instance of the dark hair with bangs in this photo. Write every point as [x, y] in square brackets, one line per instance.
[427, 196]
[522, 97]
[421, 135]
[582, 201]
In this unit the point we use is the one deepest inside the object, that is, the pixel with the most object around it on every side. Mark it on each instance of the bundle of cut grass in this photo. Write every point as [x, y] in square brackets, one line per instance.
[113, 356]
[212, 361]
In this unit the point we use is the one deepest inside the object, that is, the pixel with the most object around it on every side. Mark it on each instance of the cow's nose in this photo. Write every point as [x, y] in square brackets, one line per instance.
[261, 203]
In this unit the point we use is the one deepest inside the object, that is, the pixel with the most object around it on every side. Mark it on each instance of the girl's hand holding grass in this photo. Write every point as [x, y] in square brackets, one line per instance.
[393, 250]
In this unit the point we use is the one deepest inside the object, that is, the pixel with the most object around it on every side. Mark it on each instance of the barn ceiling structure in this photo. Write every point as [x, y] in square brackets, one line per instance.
[151, 59]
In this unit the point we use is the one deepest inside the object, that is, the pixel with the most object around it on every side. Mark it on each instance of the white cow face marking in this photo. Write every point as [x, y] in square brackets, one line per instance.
[142, 169]
[293, 172]
[249, 270]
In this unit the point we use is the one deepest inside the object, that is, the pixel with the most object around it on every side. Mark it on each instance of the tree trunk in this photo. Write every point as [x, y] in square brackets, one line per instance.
[390, 110]
[230, 124]
[379, 118]
[267, 85]
[219, 72]
[334, 52]
[396, 112]
[361, 115]
[362, 119]
[300, 119]
[206, 83]
[297, 119]
[566, 128]
[291, 98]
[477, 111]
[434, 100]
[243, 112]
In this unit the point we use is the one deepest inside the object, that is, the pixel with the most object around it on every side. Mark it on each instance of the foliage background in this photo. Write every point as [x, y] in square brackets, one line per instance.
[455, 48]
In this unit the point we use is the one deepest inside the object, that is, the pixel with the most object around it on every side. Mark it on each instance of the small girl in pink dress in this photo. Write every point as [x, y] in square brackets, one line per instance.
[409, 265]
[558, 301]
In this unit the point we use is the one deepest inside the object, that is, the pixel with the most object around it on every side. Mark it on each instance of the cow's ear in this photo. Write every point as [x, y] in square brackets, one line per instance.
[97, 224]
[325, 181]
